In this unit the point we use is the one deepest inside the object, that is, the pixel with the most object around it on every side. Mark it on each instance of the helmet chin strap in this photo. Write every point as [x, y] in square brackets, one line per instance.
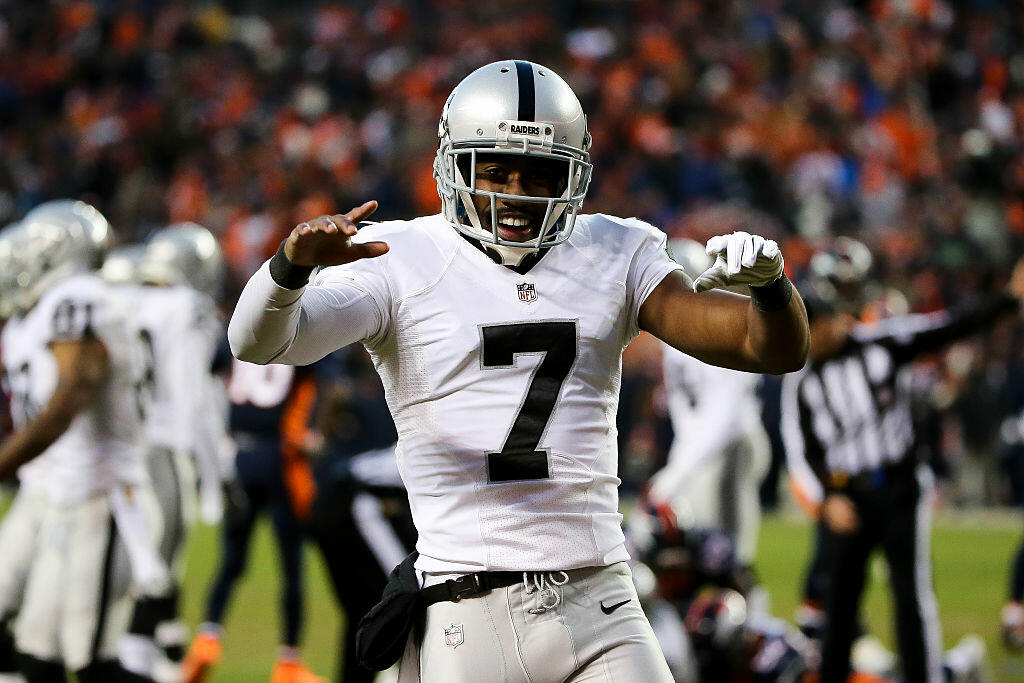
[507, 255]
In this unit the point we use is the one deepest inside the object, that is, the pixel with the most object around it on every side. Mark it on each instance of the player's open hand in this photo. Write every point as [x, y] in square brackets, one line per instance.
[326, 240]
[741, 259]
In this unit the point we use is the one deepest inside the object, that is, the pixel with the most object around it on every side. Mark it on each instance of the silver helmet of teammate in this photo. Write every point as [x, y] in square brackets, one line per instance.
[691, 255]
[55, 241]
[122, 265]
[518, 108]
[184, 254]
[11, 268]
[64, 211]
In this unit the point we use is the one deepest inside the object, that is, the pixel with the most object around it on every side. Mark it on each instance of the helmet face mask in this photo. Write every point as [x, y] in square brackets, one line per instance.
[520, 109]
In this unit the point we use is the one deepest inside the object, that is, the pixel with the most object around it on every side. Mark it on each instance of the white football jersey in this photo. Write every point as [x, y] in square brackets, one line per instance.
[504, 387]
[102, 446]
[179, 329]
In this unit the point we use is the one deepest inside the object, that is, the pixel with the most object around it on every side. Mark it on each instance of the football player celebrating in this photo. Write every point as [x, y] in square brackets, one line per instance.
[497, 327]
[72, 366]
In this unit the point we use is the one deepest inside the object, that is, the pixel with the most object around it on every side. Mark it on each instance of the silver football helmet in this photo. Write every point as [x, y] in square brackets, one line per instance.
[512, 107]
[96, 226]
[122, 265]
[691, 255]
[11, 268]
[184, 254]
[54, 243]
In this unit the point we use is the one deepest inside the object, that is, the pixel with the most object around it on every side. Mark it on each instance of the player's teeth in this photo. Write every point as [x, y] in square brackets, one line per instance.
[514, 222]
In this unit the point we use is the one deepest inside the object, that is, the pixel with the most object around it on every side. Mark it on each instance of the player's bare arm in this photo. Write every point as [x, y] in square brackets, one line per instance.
[731, 330]
[82, 367]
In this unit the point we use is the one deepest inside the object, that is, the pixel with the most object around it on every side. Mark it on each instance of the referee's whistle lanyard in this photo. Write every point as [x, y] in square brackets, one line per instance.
[548, 587]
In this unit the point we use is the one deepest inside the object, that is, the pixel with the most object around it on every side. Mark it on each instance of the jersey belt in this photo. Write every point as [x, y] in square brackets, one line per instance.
[468, 586]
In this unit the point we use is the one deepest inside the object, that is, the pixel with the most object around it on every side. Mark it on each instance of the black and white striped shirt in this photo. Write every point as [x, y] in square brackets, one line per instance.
[850, 414]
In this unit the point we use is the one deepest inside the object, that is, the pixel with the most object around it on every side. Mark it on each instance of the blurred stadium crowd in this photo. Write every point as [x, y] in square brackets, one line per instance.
[896, 122]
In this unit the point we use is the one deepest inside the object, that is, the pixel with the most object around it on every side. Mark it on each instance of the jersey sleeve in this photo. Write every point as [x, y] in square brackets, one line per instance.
[648, 267]
[908, 337]
[805, 458]
[272, 324]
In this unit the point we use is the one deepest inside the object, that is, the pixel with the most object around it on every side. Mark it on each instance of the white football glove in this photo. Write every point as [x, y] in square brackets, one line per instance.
[742, 259]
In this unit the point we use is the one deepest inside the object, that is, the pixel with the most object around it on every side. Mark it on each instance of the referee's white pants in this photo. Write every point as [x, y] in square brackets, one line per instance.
[506, 636]
[77, 601]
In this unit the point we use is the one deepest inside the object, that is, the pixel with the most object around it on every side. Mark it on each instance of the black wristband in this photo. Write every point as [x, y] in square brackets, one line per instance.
[287, 274]
[774, 296]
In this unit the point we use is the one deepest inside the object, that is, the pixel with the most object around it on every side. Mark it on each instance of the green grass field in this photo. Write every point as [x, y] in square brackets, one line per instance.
[971, 568]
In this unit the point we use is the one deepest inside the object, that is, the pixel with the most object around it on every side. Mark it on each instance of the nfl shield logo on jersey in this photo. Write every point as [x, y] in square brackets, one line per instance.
[453, 635]
[527, 292]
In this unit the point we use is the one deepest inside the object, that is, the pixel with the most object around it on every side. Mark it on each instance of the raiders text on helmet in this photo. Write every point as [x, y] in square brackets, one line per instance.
[512, 107]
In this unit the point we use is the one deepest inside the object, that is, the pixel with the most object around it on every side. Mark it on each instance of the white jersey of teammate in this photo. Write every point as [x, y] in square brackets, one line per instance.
[180, 330]
[102, 446]
[720, 451]
[503, 386]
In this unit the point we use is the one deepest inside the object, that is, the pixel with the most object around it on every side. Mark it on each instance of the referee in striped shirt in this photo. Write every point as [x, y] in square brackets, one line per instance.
[849, 437]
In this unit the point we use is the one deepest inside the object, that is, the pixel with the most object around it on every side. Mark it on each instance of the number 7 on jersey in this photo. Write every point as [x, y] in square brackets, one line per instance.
[519, 458]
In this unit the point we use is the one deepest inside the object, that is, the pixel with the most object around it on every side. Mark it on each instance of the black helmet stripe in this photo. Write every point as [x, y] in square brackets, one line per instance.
[527, 96]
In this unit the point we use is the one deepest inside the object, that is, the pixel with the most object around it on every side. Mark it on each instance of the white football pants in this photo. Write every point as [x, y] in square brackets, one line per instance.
[591, 628]
[77, 603]
[19, 537]
[723, 492]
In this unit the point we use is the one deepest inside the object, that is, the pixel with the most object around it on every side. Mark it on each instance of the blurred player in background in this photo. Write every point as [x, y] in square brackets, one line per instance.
[19, 531]
[1012, 437]
[361, 519]
[850, 446]
[73, 367]
[271, 419]
[837, 275]
[363, 526]
[695, 588]
[695, 591]
[720, 451]
[170, 283]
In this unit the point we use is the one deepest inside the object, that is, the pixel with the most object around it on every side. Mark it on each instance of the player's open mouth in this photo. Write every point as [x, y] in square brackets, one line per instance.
[517, 228]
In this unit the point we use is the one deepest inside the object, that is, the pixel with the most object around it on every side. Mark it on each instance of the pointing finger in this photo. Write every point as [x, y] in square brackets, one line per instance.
[361, 213]
[749, 255]
[733, 253]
